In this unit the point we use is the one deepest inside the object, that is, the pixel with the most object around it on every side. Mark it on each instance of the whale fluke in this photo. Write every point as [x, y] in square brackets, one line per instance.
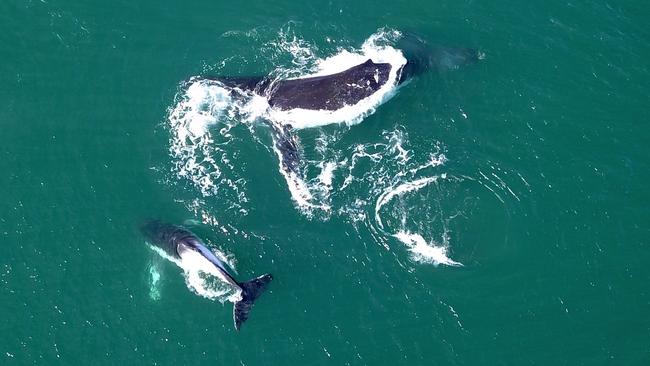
[250, 291]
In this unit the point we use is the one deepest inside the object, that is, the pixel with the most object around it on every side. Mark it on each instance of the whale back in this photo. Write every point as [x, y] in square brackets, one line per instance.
[330, 92]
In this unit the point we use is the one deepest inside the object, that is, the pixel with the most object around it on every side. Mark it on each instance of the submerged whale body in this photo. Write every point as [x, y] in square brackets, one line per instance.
[179, 242]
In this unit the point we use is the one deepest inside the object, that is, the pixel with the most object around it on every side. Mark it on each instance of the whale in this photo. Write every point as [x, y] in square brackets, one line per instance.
[326, 92]
[345, 88]
[348, 87]
[180, 243]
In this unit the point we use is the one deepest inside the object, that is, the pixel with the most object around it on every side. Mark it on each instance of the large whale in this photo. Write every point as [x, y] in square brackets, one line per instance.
[334, 91]
[345, 88]
[179, 243]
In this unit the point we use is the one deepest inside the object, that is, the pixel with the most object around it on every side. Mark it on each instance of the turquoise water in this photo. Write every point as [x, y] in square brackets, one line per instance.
[535, 161]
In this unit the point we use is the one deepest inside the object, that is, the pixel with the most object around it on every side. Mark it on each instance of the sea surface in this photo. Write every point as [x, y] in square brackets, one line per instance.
[491, 214]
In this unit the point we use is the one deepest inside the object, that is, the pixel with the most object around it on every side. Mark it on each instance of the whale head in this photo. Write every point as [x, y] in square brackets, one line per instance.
[422, 57]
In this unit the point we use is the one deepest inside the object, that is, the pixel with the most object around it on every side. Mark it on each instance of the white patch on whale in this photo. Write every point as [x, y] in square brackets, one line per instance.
[201, 276]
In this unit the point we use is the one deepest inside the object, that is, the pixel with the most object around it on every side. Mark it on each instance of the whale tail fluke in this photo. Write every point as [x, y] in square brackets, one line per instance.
[251, 290]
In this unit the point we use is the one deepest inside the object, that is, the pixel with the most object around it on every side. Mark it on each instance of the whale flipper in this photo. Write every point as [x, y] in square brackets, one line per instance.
[286, 145]
[251, 290]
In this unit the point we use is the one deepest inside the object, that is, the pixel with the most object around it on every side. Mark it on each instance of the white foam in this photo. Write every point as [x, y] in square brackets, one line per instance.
[191, 144]
[434, 161]
[390, 193]
[311, 194]
[301, 51]
[298, 189]
[425, 252]
[421, 250]
[395, 141]
[254, 108]
[154, 279]
[327, 174]
[201, 106]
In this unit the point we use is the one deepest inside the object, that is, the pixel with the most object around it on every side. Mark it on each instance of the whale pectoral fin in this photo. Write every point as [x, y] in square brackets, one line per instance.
[286, 145]
[251, 290]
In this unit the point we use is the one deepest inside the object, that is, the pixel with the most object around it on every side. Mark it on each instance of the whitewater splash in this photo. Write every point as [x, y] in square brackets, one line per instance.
[197, 151]
[200, 277]
[421, 250]
[399, 190]
[395, 176]
[425, 252]
[154, 282]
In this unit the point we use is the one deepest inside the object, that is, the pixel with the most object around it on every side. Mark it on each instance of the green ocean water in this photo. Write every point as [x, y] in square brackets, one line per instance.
[541, 195]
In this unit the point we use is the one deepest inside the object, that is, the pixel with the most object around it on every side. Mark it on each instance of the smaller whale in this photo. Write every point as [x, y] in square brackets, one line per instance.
[179, 243]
